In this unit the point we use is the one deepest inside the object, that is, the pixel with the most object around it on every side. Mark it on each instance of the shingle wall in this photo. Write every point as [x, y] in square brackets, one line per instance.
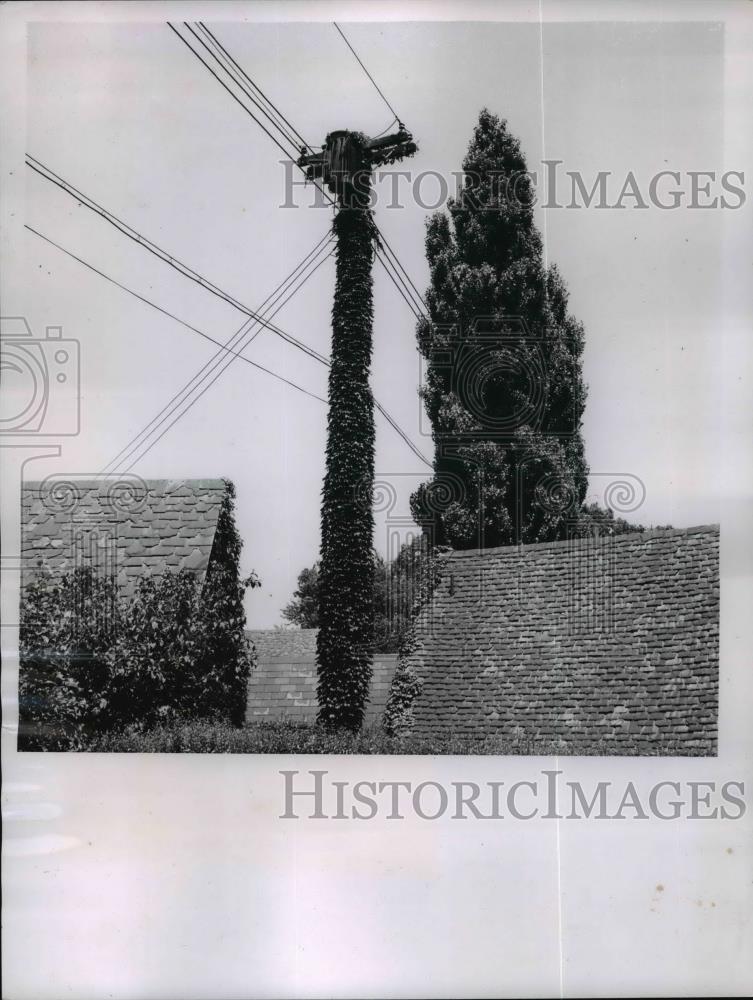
[612, 639]
[283, 683]
[282, 643]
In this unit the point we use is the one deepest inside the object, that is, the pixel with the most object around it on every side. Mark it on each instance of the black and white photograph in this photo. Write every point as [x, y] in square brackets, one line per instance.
[376, 406]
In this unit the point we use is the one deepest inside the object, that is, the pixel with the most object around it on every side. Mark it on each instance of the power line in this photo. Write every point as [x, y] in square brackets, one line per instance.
[393, 423]
[166, 312]
[213, 372]
[125, 229]
[409, 289]
[223, 84]
[231, 72]
[392, 271]
[388, 249]
[240, 340]
[222, 57]
[258, 89]
[366, 71]
[395, 279]
[143, 241]
[388, 258]
[219, 63]
[395, 270]
[384, 131]
[225, 348]
[416, 295]
[388, 417]
[142, 454]
[188, 272]
[400, 278]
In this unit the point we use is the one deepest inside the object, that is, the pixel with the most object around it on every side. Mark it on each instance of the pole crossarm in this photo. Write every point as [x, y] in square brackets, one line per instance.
[347, 158]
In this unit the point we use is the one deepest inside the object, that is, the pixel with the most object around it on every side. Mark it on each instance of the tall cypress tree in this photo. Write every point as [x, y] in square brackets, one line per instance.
[503, 387]
[346, 601]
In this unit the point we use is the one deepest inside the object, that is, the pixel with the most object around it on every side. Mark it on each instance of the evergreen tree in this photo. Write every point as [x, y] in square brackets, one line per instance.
[503, 387]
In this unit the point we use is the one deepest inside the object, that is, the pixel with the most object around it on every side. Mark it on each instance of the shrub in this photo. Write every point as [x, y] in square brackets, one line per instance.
[177, 651]
[67, 626]
[180, 655]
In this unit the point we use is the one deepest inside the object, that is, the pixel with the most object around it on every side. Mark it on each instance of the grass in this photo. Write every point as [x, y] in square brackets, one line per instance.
[283, 737]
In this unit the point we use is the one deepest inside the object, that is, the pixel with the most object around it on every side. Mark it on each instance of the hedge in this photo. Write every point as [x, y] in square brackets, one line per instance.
[286, 737]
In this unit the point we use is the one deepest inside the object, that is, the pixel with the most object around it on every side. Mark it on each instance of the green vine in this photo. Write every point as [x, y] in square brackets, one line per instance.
[346, 605]
[398, 719]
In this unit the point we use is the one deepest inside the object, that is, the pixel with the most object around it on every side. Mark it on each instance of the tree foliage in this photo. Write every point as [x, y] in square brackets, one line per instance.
[395, 585]
[303, 610]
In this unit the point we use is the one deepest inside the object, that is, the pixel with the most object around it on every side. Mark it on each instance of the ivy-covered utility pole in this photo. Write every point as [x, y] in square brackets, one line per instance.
[346, 594]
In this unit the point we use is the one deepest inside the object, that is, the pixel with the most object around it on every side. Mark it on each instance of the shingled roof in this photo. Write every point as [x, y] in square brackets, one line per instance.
[613, 639]
[126, 525]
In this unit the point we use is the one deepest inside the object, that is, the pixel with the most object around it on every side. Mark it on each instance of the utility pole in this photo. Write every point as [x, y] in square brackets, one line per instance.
[346, 596]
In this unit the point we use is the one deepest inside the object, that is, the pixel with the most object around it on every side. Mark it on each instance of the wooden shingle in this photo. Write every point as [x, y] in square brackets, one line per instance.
[126, 526]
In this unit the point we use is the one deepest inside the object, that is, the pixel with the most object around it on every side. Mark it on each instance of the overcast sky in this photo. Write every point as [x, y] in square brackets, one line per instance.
[130, 117]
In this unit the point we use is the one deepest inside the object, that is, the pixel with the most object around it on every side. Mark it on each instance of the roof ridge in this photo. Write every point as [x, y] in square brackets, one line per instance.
[622, 537]
[84, 479]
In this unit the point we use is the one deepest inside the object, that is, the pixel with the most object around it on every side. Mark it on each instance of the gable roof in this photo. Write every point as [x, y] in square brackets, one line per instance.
[121, 524]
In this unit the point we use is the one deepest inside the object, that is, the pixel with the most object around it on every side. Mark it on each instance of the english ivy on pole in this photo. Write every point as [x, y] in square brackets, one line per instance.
[346, 603]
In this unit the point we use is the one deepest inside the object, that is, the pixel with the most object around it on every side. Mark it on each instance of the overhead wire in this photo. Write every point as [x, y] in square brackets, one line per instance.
[255, 86]
[396, 282]
[209, 372]
[391, 264]
[223, 84]
[410, 291]
[166, 312]
[385, 254]
[224, 347]
[394, 268]
[401, 279]
[215, 50]
[220, 64]
[414, 293]
[143, 241]
[360, 63]
[384, 131]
